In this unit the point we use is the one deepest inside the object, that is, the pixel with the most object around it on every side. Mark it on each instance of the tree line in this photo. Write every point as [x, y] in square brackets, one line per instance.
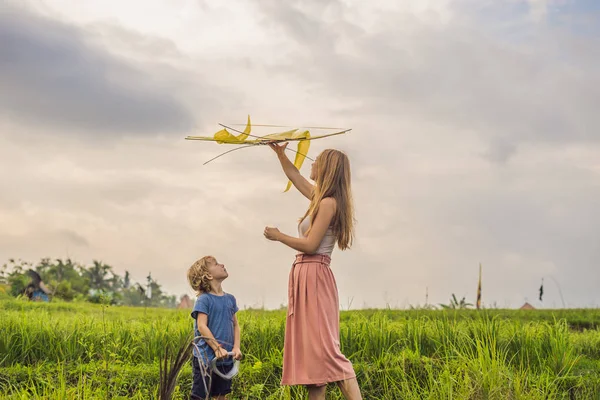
[69, 280]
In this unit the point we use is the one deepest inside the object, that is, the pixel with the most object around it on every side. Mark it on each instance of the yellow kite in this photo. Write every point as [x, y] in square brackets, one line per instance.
[302, 136]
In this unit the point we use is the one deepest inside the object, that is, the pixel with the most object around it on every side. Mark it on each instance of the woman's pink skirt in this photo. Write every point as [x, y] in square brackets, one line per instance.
[311, 352]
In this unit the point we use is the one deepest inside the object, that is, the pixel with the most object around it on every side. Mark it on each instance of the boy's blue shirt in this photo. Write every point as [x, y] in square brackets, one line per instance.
[220, 311]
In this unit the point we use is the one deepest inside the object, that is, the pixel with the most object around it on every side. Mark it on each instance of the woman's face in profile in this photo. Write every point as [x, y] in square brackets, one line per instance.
[313, 170]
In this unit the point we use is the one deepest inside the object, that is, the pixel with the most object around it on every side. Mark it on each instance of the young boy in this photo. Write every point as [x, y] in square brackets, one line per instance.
[215, 319]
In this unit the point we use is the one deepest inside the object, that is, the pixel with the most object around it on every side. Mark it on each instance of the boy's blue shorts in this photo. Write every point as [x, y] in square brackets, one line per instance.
[218, 387]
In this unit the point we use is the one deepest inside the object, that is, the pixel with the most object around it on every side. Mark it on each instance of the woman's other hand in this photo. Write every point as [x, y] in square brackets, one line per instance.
[271, 233]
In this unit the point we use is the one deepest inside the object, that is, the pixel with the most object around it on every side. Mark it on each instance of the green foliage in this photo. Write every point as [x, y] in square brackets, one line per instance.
[80, 350]
[65, 291]
[18, 283]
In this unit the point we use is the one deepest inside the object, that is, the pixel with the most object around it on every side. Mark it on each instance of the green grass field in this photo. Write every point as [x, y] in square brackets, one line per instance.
[85, 351]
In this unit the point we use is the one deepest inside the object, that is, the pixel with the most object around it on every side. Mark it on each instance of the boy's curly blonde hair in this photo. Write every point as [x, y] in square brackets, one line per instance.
[198, 275]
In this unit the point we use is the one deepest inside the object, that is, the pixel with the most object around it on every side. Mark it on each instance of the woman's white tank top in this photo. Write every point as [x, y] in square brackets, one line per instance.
[327, 244]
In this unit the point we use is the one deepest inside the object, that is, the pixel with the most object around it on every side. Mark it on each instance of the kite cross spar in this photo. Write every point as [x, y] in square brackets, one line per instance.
[302, 136]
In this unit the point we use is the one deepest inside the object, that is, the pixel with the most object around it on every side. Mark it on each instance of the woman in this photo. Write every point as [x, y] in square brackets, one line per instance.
[36, 290]
[311, 353]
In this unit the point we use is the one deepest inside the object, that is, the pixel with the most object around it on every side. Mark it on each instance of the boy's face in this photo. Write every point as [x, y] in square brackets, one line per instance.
[216, 270]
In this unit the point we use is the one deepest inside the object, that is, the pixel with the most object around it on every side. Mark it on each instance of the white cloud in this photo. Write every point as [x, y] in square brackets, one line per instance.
[468, 146]
[538, 9]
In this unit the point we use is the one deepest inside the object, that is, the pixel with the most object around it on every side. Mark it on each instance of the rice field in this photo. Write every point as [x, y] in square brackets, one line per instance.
[90, 351]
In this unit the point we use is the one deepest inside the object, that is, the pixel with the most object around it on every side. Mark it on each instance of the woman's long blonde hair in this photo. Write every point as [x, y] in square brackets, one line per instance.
[333, 180]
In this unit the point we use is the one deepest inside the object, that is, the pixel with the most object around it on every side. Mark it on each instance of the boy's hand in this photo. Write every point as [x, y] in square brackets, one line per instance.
[220, 353]
[237, 354]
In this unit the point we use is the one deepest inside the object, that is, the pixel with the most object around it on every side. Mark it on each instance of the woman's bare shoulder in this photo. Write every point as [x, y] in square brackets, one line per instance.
[328, 202]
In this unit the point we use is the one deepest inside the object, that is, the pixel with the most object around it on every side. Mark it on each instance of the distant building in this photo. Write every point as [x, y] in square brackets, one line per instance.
[185, 302]
[527, 306]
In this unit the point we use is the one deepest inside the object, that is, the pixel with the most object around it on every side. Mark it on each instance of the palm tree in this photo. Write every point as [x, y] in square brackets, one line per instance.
[126, 280]
[455, 304]
[59, 269]
[97, 275]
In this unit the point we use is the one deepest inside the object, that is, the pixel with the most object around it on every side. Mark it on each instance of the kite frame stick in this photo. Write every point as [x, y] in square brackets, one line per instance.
[268, 141]
[291, 139]
[288, 126]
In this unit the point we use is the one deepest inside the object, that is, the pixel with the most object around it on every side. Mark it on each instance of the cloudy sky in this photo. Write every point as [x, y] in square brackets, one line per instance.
[475, 139]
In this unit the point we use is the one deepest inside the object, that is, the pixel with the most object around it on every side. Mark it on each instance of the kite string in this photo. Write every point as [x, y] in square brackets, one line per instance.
[228, 151]
[288, 126]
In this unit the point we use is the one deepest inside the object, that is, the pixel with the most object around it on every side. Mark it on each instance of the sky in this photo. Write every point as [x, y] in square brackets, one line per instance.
[475, 140]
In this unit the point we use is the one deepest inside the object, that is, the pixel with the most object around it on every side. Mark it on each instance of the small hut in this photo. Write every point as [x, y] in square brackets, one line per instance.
[527, 306]
[185, 302]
